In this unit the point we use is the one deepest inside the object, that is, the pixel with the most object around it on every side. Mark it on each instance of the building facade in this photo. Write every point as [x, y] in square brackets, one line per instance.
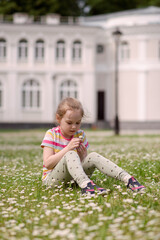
[43, 61]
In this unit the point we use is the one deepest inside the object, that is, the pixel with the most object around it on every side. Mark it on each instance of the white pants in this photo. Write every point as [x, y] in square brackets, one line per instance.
[71, 168]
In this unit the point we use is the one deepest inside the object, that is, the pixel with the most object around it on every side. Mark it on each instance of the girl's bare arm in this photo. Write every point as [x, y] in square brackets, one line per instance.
[50, 159]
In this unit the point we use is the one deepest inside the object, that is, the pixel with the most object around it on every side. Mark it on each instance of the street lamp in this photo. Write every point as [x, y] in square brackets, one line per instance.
[116, 34]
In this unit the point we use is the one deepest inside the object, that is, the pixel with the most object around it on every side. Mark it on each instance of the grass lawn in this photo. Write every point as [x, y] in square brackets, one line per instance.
[29, 210]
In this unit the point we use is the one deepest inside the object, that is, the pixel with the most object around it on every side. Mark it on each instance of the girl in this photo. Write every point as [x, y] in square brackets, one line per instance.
[65, 153]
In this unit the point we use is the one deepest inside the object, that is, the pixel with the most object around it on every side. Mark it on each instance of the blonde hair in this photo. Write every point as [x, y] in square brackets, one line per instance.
[69, 104]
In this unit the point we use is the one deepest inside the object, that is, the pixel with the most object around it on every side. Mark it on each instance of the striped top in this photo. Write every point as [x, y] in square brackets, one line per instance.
[54, 139]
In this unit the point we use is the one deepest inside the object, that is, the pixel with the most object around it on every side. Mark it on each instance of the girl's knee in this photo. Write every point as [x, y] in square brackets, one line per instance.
[71, 153]
[93, 155]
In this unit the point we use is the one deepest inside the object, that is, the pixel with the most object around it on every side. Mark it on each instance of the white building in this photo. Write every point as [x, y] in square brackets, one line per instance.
[43, 61]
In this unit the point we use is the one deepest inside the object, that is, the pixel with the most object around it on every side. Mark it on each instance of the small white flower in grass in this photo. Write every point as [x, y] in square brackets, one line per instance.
[92, 228]
[117, 220]
[133, 228]
[76, 220]
[56, 211]
[54, 222]
[32, 210]
[128, 200]
[90, 212]
[22, 197]
[48, 212]
[25, 238]
[60, 233]
[124, 193]
[62, 225]
[108, 205]
[21, 225]
[141, 208]
[92, 204]
[81, 214]
[152, 222]
[35, 232]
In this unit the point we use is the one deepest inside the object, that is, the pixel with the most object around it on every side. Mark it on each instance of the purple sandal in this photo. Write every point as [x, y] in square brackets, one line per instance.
[134, 185]
[92, 188]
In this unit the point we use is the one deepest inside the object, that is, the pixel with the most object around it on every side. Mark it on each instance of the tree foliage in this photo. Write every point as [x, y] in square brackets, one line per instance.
[40, 7]
[72, 7]
[109, 6]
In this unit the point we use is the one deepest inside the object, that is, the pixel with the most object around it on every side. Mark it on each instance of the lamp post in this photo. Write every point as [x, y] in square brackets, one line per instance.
[116, 34]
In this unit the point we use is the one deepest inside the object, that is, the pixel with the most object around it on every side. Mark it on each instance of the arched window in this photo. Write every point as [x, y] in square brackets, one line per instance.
[39, 50]
[31, 94]
[68, 89]
[77, 50]
[60, 50]
[2, 48]
[124, 50]
[23, 49]
[1, 95]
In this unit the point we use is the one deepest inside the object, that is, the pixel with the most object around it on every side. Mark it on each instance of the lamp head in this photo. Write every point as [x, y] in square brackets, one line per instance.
[117, 34]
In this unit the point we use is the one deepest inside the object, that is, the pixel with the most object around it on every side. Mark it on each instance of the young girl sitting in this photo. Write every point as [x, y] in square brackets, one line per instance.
[65, 155]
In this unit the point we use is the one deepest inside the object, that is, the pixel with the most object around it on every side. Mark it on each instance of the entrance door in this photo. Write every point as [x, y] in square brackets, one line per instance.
[101, 106]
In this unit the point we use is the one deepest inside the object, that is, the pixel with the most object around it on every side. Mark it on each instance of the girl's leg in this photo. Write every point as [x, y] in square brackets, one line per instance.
[68, 168]
[95, 160]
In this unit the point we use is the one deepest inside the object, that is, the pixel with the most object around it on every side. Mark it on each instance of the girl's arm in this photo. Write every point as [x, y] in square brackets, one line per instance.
[50, 159]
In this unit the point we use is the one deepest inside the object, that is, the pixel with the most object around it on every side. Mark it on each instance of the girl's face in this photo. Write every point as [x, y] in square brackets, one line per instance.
[70, 122]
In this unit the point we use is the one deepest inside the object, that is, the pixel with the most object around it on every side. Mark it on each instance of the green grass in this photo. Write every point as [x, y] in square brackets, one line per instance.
[29, 210]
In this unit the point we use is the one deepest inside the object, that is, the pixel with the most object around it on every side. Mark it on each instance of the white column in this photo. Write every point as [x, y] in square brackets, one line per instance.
[89, 97]
[142, 50]
[68, 56]
[31, 54]
[12, 104]
[142, 96]
[13, 55]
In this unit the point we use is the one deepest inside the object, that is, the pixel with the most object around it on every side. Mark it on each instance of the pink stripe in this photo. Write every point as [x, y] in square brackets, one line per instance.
[54, 143]
[138, 187]
[86, 145]
[59, 145]
[47, 141]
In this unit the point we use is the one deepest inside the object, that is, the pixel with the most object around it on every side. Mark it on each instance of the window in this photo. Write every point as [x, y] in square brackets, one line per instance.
[23, 49]
[1, 95]
[124, 50]
[100, 48]
[39, 50]
[31, 95]
[76, 51]
[2, 48]
[60, 50]
[68, 89]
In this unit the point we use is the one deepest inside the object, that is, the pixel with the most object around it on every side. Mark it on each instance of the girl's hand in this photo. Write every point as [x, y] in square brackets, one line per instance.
[82, 151]
[74, 143]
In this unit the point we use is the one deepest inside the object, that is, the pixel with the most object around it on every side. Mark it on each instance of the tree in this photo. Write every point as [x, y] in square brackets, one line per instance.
[40, 7]
[72, 7]
[103, 6]
[109, 6]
